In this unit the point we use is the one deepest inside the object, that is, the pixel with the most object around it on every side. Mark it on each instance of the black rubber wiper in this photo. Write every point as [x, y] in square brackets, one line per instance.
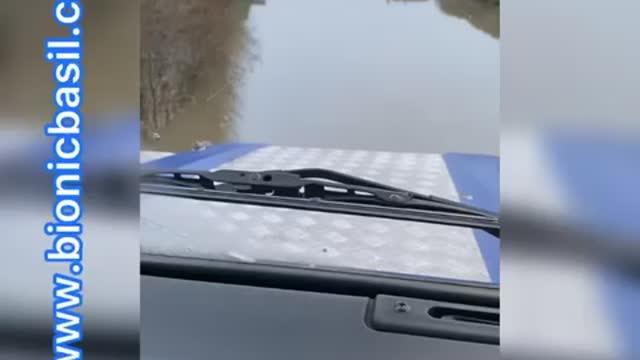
[317, 189]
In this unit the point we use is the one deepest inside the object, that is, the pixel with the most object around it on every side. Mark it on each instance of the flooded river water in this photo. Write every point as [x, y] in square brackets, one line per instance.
[420, 76]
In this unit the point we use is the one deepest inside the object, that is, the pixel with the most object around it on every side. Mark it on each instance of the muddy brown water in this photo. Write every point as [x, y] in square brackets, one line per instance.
[420, 76]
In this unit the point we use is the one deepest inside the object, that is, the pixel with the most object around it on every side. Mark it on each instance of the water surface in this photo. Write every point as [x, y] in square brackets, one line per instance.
[419, 76]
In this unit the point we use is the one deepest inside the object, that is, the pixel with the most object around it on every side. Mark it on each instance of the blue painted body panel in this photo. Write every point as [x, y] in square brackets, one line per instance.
[477, 179]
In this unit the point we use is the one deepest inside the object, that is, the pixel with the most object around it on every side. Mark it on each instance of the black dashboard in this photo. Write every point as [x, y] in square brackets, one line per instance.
[187, 319]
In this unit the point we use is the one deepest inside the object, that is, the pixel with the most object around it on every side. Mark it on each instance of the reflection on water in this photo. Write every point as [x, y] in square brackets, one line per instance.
[193, 55]
[484, 15]
[390, 75]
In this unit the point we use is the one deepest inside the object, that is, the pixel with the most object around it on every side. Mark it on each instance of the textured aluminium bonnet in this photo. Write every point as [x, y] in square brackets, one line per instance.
[213, 230]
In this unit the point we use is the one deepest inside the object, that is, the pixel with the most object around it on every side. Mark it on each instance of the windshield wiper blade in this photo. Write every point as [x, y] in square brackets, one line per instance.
[324, 190]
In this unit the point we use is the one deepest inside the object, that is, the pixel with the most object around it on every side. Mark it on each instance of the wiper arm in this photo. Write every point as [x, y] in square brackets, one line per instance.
[325, 187]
